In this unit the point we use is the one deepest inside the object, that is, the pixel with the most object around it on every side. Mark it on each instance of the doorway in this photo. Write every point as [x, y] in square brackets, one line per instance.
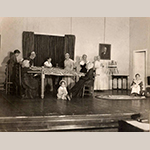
[139, 65]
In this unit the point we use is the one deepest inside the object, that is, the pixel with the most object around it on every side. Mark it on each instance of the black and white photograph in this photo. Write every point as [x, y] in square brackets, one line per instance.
[74, 74]
[105, 51]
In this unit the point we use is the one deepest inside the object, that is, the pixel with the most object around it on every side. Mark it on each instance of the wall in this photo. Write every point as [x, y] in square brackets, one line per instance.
[12, 29]
[89, 33]
[139, 39]
[0, 31]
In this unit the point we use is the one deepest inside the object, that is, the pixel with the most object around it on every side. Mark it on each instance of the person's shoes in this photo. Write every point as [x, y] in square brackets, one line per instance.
[68, 97]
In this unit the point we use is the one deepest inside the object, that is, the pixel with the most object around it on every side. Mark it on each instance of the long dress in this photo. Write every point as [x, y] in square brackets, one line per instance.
[77, 88]
[29, 84]
[11, 67]
[101, 79]
[136, 87]
[12, 63]
[69, 65]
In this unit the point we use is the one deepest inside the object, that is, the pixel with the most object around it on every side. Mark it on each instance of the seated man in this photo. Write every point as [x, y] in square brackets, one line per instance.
[76, 90]
[136, 86]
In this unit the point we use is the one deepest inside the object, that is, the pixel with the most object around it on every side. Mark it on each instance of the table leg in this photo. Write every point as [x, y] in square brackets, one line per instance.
[112, 84]
[127, 84]
[122, 83]
[117, 85]
[42, 85]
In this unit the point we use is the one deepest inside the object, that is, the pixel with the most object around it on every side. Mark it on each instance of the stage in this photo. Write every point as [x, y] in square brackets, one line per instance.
[80, 114]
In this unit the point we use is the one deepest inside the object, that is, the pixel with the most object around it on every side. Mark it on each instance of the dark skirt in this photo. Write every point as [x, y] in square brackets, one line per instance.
[30, 86]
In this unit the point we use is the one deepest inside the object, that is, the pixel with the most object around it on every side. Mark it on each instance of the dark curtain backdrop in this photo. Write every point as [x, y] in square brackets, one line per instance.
[41, 48]
[70, 45]
[48, 46]
[27, 43]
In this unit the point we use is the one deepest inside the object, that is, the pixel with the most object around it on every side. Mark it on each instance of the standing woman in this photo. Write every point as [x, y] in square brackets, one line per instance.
[11, 64]
[100, 75]
[84, 63]
[77, 64]
[12, 68]
[69, 65]
[77, 67]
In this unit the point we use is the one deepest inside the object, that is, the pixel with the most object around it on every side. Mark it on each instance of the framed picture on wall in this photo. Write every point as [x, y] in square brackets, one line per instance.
[105, 51]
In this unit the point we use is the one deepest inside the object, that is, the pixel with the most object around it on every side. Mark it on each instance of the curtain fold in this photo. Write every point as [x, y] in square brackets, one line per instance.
[48, 46]
[41, 48]
[69, 45]
[27, 43]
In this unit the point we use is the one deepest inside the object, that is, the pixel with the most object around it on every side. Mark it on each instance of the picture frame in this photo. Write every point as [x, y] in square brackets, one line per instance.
[105, 51]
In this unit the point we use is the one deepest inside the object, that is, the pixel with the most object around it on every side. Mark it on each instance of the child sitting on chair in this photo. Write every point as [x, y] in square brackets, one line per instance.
[62, 91]
[136, 86]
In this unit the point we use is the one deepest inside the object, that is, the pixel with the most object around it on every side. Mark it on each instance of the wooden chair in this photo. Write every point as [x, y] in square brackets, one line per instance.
[15, 86]
[17, 83]
[88, 88]
[8, 83]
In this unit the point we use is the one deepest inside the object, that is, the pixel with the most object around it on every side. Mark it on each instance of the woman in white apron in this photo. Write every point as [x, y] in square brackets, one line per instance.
[101, 78]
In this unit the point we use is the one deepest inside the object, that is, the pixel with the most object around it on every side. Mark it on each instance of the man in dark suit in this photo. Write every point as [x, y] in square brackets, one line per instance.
[105, 53]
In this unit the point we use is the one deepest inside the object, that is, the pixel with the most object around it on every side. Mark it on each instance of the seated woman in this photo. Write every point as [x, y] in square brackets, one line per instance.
[48, 63]
[136, 86]
[84, 63]
[48, 80]
[77, 88]
[31, 57]
[29, 83]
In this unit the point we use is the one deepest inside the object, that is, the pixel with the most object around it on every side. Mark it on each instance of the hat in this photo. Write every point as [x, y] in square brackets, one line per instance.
[62, 81]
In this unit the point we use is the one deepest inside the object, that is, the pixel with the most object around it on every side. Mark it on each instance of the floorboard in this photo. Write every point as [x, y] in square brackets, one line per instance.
[80, 114]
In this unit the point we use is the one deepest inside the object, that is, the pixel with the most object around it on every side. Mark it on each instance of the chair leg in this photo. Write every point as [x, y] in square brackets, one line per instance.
[92, 89]
[83, 91]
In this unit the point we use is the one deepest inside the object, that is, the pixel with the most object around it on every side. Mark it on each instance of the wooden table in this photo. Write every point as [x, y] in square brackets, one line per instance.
[120, 77]
[51, 72]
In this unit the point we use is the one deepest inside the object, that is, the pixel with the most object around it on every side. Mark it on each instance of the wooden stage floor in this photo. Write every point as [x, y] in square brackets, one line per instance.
[23, 111]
